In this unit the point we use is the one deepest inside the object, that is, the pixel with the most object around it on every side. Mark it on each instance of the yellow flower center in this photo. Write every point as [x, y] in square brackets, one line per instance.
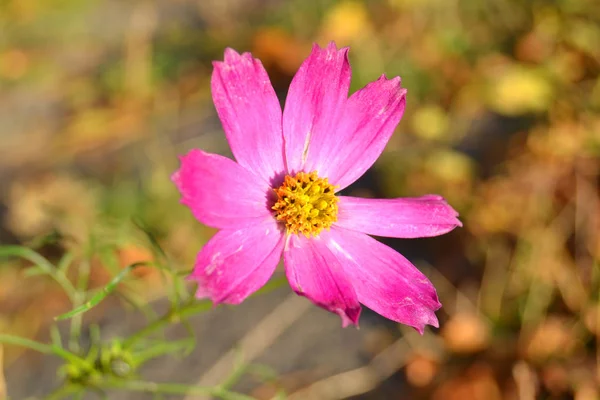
[306, 204]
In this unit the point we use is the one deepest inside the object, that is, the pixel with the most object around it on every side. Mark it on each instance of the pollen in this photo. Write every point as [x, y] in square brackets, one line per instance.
[306, 204]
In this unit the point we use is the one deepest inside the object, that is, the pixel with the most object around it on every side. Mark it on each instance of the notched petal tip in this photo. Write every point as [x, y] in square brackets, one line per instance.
[219, 192]
[176, 176]
[434, 322]
[384, 280]
[425, 315]
[451, 212]
[349, 316]
[191, 153]
[332, 46]
[203, 292]
[249, 111]
[408, 217]
[421, 316]
[394, 81]
[184, 161]
[315, 273]
[430, 320]
[232, 60]
[393, 86]
[370, 118]
[330, 50]
[314, 105]
[230, 55]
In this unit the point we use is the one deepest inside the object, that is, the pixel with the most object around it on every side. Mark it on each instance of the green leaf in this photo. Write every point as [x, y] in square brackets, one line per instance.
[98, 297]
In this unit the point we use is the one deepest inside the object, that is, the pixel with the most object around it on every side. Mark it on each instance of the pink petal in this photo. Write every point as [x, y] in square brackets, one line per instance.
[236, 263]
[370, 118]
[221, 193]
[314, 104]
[315, 273]
[250, 113]
[384, 280]
[410, 217]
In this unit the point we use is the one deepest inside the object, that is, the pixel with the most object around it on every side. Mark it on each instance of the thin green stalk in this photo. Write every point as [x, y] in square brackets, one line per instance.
[77, 319]
[40, 347]
[160, 349]
[76, 323]
[31, 344]
[63, 392]
[99, 296]
[184, 312]
[42, 263]
[187, 310]
[238, 371]
[172, 388]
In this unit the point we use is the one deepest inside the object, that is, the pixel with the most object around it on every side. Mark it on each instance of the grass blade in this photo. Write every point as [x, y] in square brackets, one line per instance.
[98, 297]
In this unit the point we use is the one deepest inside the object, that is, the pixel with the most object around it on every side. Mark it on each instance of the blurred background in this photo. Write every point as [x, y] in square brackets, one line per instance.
[99, 97]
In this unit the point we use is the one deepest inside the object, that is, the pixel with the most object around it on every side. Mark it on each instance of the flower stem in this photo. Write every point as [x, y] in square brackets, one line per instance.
[44, 265]
[172, 388]
[40, 347]
[187, 310]
[183, 312]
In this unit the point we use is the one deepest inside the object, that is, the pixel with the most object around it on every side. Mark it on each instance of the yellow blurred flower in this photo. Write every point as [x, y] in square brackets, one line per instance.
[450, 166]
[519, 90]
[346, 21]
[430, 122]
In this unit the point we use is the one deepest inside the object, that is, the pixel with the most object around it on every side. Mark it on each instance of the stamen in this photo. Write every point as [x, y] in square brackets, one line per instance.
[306, 204]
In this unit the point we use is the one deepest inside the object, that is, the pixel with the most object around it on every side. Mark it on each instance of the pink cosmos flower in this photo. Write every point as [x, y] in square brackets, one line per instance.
[279, 198]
